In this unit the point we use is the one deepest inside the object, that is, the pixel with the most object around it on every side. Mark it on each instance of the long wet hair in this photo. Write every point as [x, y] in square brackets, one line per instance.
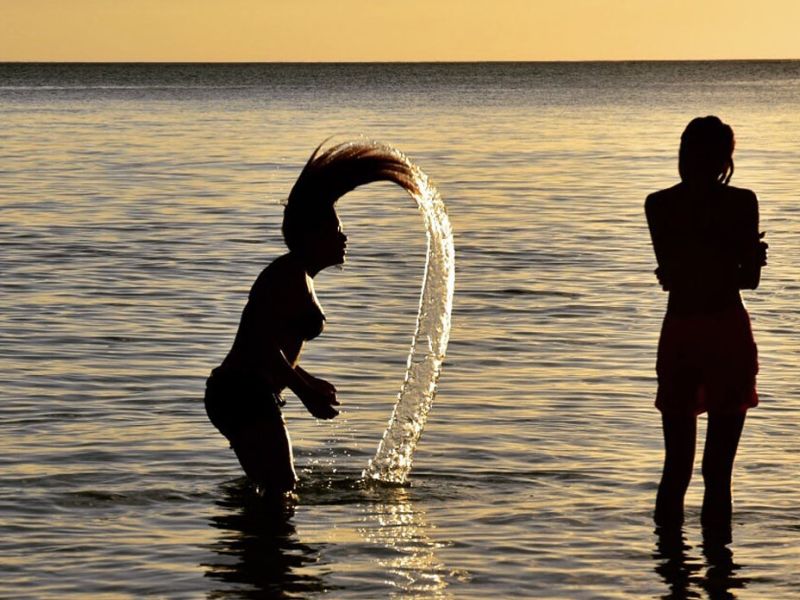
[706, 152]
[330, 174]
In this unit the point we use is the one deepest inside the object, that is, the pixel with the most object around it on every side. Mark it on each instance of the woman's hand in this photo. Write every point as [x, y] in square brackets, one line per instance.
[663, 279]
[320, 385]
[319, 397]
[761, 251]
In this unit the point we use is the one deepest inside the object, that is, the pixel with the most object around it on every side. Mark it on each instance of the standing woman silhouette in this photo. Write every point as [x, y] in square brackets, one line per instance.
[707, 245]
[243, 394]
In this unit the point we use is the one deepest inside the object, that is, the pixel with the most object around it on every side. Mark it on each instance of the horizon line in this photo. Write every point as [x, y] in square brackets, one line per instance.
[392, 62]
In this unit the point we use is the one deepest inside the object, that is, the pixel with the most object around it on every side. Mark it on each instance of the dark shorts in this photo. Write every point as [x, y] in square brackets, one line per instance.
[707, 363]
[233, 400]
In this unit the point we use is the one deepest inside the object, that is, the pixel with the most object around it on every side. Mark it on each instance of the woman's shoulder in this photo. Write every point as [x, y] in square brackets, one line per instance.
[742, 195]
[282, 276]
[671, 195]
[740, 205]
[660, 198]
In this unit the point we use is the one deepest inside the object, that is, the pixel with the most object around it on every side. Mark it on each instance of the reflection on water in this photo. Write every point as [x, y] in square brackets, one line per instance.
[683, 572]
[260, 554]
[134, 219]
[397, 525]
[721, 575]
[258, 550]
[674, 563]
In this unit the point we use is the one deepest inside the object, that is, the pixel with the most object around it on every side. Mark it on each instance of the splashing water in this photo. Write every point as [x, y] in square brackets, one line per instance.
[392, 461]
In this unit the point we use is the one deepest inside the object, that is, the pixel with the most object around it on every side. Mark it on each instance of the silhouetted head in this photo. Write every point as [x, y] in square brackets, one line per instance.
[706, 153]
[311, 227]
[315, 235]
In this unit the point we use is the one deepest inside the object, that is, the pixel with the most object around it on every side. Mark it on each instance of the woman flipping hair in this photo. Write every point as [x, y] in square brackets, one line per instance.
[706, 240]
[243, 394]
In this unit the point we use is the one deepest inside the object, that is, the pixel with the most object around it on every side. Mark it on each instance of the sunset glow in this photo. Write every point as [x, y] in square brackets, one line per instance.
[415, 30]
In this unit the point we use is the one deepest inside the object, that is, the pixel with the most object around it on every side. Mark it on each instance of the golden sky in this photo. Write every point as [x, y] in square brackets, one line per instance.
[393, 30]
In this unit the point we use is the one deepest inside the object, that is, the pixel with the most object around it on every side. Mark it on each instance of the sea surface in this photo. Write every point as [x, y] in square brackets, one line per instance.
[139, 202]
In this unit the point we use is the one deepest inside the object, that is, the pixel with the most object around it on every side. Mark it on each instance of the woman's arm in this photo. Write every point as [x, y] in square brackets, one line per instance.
[317, 395]
[315, 382]
[654, 223]
[753, 251]
[272, 308]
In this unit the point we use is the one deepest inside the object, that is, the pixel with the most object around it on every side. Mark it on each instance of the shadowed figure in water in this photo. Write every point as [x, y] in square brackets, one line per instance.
[257, 553]
[243, 394]
[707, 245]
[684, 573]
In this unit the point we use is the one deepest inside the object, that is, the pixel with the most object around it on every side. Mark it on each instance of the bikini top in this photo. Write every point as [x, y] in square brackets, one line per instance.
[307, 319]
[310, 323]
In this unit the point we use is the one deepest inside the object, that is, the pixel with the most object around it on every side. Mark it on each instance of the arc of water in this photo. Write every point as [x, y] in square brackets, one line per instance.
[393, 459]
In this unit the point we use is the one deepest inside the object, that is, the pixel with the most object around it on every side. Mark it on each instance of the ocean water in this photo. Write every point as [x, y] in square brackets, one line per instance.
[139, 202]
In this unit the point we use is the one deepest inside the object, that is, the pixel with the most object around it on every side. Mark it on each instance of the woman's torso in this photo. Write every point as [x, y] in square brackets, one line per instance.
[282, 310]
[700, 235]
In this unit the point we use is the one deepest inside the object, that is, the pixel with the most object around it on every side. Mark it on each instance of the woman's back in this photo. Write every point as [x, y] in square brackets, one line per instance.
[704, 238]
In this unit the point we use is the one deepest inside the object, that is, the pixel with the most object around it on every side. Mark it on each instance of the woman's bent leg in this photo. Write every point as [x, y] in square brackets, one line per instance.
[722, 440]
[679, 444]
[265, 453]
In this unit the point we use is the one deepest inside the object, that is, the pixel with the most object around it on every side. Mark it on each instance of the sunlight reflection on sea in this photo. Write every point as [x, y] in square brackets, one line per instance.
[135, 218]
